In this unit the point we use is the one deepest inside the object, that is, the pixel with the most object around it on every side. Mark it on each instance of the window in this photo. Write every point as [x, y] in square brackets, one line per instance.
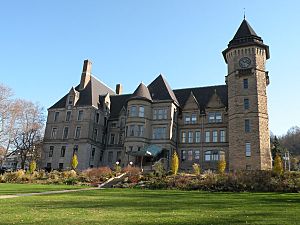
[245, 83]
[95, 134]
[141, 111]
[190, 137]
[211, 118]
[56, 115]
[207, 136]
[133, 111]
[75, 149]
[183, 155]
[71, 100]
[194, 118]
[54, 132]
[211, 155]
[97, 116]
[119, 153]
[112, 139]
[48, 166]
[66, 131]
[198, 136]
[68, 116]
[190, 155]
[159, 133]
[246, 103]
[51, 151]
[215, 136]
[113, 124]
[93, 154]
[60, 166]
[140, 130]
[62, 151]
[197, 154]
[159, 114]
[80, 115]
[131, 130]
[248, 167]
[187, 119]
[248, 149]
[247, 125]
[222, 136]
[110, 157]
[218, 117]
[77, 132]
[183, 137]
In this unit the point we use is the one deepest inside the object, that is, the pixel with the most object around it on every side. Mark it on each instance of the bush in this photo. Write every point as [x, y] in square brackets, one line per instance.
[32, 166]
[196, 169]
[278, 167]
[133, 173]
[69, 174]
[159, 169]
[74, 162]
[221, 166]
[95, 175]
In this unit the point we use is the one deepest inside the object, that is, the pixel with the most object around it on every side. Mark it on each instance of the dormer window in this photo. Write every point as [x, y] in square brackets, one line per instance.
[70, 100]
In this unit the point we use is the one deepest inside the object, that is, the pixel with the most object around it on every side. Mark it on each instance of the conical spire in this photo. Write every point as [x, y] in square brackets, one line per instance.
[141, 92]
[246, 36]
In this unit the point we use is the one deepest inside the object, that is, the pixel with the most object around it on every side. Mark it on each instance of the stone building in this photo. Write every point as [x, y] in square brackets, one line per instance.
[203, 124]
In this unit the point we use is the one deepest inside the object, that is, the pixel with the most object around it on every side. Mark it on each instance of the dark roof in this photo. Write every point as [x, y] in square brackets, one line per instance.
[141, 92]
[117, 102]
[88, 96]
[202, 95]
[161, 90]
[246, 36]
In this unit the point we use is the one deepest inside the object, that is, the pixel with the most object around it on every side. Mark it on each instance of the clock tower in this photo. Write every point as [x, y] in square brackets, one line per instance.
[247, 80]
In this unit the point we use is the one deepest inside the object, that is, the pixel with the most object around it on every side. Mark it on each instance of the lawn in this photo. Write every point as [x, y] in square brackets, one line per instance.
[131, 206]
[11, 189]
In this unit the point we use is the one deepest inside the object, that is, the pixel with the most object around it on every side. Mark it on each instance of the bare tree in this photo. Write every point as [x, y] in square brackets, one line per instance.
[28, 130]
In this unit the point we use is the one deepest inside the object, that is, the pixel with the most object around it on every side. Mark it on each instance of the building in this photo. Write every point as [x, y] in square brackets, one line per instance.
[203, 124]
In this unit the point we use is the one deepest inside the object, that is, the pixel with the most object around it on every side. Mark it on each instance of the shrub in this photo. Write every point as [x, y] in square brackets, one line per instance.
[196, 169]
[74, 162]
[159, 169]
[278, 167]
[118, 169]
[133, 173]
[175, 163]
[69, 174]
[221, 166]
[95, 175]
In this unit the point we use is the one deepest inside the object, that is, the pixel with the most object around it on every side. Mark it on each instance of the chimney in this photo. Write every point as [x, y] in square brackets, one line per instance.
[86, 74]
[119, 89]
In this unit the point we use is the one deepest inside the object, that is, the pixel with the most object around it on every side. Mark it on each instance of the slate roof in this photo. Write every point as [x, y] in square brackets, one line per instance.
[88, 96]
[202, 95]
[161, 90]
[117, 102]
[246, 36]
[141, 92]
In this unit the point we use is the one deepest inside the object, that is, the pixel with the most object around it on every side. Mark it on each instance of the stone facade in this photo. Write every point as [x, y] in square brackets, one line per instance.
[203, 124]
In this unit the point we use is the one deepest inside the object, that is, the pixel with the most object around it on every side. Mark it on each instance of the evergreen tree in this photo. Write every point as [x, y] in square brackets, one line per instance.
[74, 162]
[175, 163]
[32, 166]
[276, 148]
[221, 166]
[278, 167]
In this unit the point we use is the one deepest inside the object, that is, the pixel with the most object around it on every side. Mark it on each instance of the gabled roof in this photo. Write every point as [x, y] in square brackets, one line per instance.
[88, 96]
[202, 95]
[141, 92]
[161, 90]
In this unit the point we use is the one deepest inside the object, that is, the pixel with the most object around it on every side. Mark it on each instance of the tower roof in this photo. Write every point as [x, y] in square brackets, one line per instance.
[161, 90]
[246, 36]
[141, 92]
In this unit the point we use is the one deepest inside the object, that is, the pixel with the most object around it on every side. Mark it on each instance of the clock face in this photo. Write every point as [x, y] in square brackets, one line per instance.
[245, 62]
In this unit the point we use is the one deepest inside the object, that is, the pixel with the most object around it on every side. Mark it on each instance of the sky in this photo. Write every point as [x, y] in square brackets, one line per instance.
[43, 45]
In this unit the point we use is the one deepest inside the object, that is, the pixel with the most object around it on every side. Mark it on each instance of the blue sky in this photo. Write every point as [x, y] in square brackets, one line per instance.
[43, 45]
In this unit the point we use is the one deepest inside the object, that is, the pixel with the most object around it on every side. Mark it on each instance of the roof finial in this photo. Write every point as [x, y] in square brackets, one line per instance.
[244, 13]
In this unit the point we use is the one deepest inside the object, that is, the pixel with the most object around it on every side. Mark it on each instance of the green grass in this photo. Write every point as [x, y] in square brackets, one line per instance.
[130, 206]
[12, 189]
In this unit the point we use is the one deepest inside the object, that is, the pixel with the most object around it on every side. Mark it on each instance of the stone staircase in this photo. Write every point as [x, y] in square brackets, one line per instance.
[112, 181]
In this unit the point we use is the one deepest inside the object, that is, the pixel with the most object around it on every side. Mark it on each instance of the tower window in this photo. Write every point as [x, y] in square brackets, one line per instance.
[248, 149]
[245, 82]
[247, 125]
[246, 103]
[183, 137]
